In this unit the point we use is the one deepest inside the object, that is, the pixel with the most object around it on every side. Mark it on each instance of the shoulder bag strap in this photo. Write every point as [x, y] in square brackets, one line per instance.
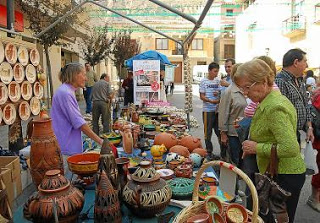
[272, 168]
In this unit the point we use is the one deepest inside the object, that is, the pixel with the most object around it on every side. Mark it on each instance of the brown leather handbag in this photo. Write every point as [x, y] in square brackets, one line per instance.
[272, 198]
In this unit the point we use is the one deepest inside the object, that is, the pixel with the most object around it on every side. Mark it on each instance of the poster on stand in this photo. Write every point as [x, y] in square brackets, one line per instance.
[146, 81]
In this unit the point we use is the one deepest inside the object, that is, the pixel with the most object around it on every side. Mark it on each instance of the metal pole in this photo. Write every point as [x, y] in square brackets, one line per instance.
[16, 33]
[183, 15]
[10, 16]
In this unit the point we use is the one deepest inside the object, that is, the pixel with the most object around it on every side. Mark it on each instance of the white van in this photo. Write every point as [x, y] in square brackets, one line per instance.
[199, 72]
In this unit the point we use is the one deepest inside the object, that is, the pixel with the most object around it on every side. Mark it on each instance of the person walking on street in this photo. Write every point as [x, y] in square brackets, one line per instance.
[91, 79]
[291, 84]
[209, 94]
[128, 89]
[101, 98]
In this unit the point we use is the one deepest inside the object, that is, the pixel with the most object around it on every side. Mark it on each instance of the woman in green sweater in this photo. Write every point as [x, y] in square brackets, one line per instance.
[274, 122]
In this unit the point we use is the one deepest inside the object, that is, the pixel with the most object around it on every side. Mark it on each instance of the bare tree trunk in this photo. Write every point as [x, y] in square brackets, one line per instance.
[50, 84]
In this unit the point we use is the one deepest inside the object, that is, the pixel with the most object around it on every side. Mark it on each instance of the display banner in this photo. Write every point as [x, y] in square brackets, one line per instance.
[169, 77]
[146, 81]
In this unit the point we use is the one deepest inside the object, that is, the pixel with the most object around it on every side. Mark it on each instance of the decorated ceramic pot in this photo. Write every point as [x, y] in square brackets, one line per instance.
[55, 194]
[146, 194]
[181, 150]
[191, 142]
[196, 159]
[183, 171]
[169, 140]
[171, 156]
[157, 151]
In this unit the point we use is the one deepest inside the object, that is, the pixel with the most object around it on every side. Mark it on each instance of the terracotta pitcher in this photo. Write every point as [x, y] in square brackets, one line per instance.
[45, 153]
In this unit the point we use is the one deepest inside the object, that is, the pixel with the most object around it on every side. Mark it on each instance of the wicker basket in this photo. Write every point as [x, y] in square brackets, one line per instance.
[197, 206]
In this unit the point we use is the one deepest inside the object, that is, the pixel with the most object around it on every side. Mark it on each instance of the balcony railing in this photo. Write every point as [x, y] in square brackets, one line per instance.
[294, 26]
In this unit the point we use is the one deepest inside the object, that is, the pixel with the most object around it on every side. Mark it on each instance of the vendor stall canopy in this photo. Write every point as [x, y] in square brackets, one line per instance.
[149, 55]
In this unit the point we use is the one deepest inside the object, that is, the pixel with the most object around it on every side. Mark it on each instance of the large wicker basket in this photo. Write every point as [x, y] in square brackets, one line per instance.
[197, 206]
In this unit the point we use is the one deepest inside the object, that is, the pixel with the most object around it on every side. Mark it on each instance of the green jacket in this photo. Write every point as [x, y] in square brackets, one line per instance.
[275, 121]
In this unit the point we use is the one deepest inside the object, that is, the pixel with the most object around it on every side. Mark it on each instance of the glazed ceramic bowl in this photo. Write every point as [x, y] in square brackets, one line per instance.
[3, 93]
[26, 90]
[14, 91]
[38, 90]
[213, 205]
[113, 137]
[18, 73]
[6, 73]
[34, 57]
[35, 106]
[84, 164]
[24, 110]
[166, 174]
[11, 53]
[199, 218]
[236, 213]
[31, 73]
[23, 55]
[9, 114]
[1, 52]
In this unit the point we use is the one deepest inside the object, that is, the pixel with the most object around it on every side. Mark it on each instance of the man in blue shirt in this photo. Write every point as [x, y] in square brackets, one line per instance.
[210, 95]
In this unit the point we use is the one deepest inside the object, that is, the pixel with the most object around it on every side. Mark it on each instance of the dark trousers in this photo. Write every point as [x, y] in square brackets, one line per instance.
[101, 108]
[292, 183]
[87, 97]
[235, 149]
[210, 121]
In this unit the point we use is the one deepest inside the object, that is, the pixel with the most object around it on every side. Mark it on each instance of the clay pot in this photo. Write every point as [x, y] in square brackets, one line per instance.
[181, 150]
[45, 153]
[146, 194]
[191, 142]
[122, 164]
[199, 218]
[167, 139]
[236, 211]
[55, 193]
[173, 164]
[183, 171]
[202, 152]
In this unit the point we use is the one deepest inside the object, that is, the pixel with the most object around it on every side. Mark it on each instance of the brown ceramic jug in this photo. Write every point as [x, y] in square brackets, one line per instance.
[45, 153]
[56, 198]
[169, 140]
[146, 194]
[191, 142]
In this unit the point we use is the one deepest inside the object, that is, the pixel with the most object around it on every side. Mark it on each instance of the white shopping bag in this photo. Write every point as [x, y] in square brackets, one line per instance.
[310, 156]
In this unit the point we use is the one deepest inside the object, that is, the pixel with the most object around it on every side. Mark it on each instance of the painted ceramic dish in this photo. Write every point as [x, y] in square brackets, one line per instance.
[23, 55]
[38, 90]
[11, 53]
[14, 91]
[166, 174]
[34, 57]
[3, 93]
[1, 52]
[6, 73]
[35, 106]
[31, 73]
[18, 73]
[9, 114]
[26, 90]
[24, 110]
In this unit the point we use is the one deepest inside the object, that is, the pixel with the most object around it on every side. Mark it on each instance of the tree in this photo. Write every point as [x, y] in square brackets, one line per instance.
[97, 46]
[42, 13]
[123, 48]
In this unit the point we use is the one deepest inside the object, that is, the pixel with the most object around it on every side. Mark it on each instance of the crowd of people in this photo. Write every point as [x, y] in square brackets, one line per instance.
[255, 107]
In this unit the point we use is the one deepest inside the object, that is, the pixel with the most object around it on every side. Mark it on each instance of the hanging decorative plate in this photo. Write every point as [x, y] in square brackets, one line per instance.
[34, 57]
[31, 73]
[18, 73]
[6, 73]
[3, 93]
[26, 90]
[9, 114]
[14, 91]
[1, 52]
[11, 53]
[35, 106]
[38, 90]
[23, 55]
[24, 110]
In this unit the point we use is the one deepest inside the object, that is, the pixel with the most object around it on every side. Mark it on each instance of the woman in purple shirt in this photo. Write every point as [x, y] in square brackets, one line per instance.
[67, 120]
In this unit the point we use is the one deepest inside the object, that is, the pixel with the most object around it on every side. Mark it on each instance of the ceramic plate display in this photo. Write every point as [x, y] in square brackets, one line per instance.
[31, 73]
[24, 110]
[11, 53]
[26, 90]
[18, 73]
[38, 91]
[35, 106]
[23, 55]
[34, 57]
[6, 73]
[14, 91]
[9, 114]
[1, 52]
[3, 93]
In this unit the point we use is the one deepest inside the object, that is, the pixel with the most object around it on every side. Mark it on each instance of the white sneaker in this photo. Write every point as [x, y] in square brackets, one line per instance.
[314, 204]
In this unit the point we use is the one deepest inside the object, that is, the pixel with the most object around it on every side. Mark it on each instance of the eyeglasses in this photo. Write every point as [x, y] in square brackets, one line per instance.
[246, 88]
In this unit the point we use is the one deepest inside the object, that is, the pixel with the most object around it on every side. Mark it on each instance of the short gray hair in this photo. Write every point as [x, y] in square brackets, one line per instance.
[69, 71]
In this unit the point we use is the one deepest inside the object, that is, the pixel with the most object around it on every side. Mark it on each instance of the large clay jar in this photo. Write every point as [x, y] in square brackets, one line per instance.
[169, 140]
[56, 196]
[107, 205]
[45, 153]
[191, 142]
[146, 194]
[181, 150]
